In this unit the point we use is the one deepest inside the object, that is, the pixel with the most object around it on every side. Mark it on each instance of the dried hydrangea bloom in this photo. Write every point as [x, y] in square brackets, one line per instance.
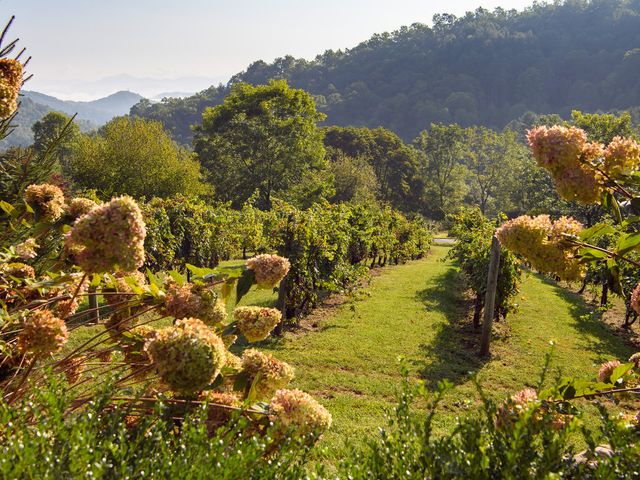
[43, 333]
[622, 155]
[194, 300]
[11, 71]
[73, 368]
[109, 238]
[563, 151]
[17, 270]
[233, 363]
[298, 413]
[74, 289]
[46, 200]
[218, 411]
[256, 323]
[8, 100]
[80, 206]
[635, 359]
[267, 373]
[27, 249]
[606, 369]
[269, 269]
[511, 408]
[188, 356]
[543, 244]
[635, 299]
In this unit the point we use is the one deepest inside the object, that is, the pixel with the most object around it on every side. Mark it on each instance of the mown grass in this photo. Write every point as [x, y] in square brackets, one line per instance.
[417, 311]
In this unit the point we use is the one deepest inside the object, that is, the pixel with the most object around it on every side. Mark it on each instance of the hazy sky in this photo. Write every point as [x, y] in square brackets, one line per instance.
[77, 43]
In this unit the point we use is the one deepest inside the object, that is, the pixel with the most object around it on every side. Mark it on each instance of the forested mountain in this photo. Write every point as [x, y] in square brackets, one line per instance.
[96, 111]
[484, 68]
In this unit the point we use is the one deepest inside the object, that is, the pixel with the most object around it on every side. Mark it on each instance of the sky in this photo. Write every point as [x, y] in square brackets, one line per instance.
[85, 49]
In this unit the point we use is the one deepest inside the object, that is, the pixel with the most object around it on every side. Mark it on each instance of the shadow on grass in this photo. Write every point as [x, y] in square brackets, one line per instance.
[595, 334]
[452, 354]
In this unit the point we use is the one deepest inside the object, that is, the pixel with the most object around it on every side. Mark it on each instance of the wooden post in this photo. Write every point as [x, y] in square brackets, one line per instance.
[490, 296]
[94, 315]
[281, 304]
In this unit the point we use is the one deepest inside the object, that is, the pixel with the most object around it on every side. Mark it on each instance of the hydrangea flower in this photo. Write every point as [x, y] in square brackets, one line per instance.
[299, 413]
[194, 300]
[622, 155]
[635, 359]
[80, 206]
[635, 299]
[267, 373]
[542, 242]
[27, 249]
[256, 323]
[188, 355]
[17, 270]
[10, 83]
[606, 369]
[47, 201]
[269, 269]
[43, 333]
[564, 152]
[109, 238]
[517, 403]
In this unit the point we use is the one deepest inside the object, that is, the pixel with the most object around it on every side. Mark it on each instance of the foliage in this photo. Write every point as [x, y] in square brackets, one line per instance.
[264, 139]
[135, 157]
[396, 166]
[472, 252]
[47, 438]
[528, 436]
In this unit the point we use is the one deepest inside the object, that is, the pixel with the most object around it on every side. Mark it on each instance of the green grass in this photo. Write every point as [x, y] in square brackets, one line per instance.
[416, 311]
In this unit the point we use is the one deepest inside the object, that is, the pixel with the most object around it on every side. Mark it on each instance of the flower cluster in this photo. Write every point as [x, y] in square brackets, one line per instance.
[80, 206]
[194, 300]
[10, 84]
[296, 412]
[79, 285]
[27, 249]
[565, 153]
[256, 323]
[635, 359]
[511, 409]
[188, 356]
[47, 201]
[635, 299]
[269, 269]
[109, 238]
[267, 374]
[622, 155]
[542, 242]
[122, 287]
[43, 333]
[17, 270]
[606, 369]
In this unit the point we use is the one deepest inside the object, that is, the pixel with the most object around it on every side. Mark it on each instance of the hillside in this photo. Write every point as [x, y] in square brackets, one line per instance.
[483, 68]
[97, 111]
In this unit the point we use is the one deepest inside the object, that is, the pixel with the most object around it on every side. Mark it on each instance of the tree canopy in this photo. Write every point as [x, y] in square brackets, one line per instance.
[264, 139]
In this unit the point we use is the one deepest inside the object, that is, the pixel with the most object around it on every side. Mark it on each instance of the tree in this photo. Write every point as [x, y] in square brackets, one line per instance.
[603, 127]
[264, 138]
[54, 127]
[445, 149]
[135, 157]
[395, 164]
[492, 161]
[354, 179]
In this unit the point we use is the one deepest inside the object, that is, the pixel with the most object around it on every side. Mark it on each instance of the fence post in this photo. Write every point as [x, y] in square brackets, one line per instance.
[490, 296]
[94, 314]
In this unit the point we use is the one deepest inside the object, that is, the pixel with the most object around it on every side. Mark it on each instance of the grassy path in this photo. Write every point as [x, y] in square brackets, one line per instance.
[415, 311]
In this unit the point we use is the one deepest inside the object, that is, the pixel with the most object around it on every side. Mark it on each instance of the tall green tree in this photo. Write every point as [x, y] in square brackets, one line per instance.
[54, 128]
[445, 149]
[396, 165]
[135, 157]
[492, 161]
[264, 138]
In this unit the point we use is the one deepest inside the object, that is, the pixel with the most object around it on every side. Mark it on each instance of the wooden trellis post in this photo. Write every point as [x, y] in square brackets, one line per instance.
[490, 296]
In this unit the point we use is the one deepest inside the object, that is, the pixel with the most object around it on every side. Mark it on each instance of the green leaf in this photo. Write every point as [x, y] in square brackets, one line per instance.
[177, 277]
[628, 242]
[620, 371]
[153, 279]
[589, 253]
[597, 230]
[6, 207]
[245, 282]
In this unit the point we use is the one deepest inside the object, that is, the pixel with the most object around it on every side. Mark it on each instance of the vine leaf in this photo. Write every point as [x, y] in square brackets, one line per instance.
[246, 280]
